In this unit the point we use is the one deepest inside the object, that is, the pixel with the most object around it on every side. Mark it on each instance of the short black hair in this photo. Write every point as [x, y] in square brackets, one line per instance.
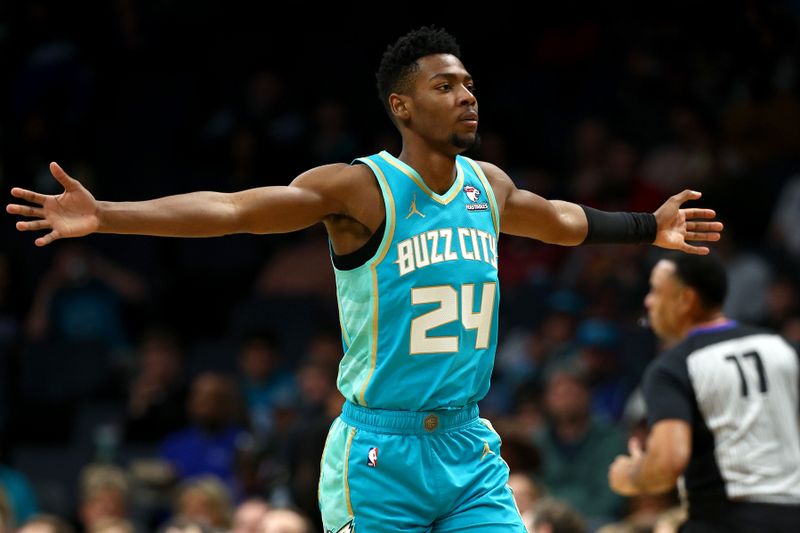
[399, 60]
[705, 274]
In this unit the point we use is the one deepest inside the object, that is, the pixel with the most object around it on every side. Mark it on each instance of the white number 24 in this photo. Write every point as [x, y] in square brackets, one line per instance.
[447, 298]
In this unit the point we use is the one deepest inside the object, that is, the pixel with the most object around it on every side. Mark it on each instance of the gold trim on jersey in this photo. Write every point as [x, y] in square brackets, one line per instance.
[346, 465]
[385, 246]
[489, 192]
[443, 199]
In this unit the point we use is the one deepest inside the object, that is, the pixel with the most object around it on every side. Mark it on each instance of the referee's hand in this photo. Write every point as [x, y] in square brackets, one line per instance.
[622, 470]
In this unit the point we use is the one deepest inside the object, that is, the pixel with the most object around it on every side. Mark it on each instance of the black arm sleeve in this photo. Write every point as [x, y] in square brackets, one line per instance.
[623, 227]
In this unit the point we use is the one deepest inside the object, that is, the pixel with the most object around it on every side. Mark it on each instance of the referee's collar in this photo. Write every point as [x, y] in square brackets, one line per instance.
[728, 324]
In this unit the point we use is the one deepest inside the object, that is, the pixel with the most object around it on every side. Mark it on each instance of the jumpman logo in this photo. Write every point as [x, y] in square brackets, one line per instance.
[414, 209]
[486, 451]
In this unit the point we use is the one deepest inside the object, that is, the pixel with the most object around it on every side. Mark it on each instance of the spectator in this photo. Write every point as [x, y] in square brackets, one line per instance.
[182, 525]
[205, 500]
[526, 494]
[553, 516]
[576, 447]
[264, 382]
[6, 515]
[285, 521]
[248, 516]
[111, 525]
[104, 495]
[598, 353]
[209, 444]
[157, 394]
[19, 493]
[81, 298]
[45, 523]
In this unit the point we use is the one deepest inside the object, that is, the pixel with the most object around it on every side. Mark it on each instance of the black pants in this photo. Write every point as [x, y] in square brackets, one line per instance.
[741, 517]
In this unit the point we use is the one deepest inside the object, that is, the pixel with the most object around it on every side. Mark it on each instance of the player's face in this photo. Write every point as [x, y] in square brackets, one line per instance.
[665, 302]
[442, 106]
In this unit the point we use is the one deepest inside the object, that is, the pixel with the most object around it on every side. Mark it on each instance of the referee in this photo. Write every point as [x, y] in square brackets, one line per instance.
[722, 406]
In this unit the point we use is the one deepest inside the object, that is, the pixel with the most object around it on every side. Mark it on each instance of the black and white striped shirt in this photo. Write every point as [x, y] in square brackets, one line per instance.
[738, 388]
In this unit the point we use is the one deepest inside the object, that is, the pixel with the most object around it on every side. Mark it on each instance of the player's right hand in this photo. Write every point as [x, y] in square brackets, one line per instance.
[72, 213]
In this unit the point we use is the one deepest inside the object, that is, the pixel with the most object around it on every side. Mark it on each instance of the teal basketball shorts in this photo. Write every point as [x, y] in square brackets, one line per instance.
[387, 471]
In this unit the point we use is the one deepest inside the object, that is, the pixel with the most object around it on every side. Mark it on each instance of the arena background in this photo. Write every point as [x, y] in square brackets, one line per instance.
[616, 106]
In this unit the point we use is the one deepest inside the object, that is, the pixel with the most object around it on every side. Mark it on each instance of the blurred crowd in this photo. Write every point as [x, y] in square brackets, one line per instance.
[188, 385]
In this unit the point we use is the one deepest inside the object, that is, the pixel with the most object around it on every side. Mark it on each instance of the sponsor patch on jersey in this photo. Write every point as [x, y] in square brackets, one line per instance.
[372, 457]
[474, 194]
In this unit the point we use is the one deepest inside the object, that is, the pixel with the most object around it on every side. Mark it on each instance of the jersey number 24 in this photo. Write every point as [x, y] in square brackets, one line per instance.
[448, 311]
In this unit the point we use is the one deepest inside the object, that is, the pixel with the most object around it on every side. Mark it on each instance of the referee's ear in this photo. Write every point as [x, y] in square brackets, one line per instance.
[692, 305]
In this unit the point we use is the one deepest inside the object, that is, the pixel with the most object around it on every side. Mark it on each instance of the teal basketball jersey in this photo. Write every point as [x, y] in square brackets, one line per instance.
[419, 318]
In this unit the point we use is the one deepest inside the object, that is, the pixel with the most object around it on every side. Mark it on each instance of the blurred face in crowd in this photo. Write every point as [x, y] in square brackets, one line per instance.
[567, 399]
[258, 359]
[196, 505]
[525, 493]
[211, 402]
[284, 521]
[248, 516]
[667, 303]
[37, 528]
[161, 361]
[315, 384]
[103, 503]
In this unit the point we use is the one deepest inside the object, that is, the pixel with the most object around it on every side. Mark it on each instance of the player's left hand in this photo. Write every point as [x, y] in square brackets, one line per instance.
[676, 226]
[620, 473]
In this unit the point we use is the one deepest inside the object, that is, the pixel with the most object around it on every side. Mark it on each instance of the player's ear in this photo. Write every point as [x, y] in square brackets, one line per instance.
[399, 104]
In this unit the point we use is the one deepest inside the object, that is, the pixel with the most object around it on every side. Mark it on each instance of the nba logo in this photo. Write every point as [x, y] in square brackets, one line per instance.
[372, 457]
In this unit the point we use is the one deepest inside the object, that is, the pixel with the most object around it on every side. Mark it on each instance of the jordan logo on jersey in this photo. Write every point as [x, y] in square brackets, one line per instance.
[349, 527]
[473, 194]
[414, 210]
[486, 451]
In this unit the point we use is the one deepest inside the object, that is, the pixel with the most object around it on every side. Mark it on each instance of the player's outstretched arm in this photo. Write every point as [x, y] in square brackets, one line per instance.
[75, 212]
[526, 214]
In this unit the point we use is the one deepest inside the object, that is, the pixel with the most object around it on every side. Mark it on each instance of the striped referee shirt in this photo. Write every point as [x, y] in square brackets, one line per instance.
[738, 387]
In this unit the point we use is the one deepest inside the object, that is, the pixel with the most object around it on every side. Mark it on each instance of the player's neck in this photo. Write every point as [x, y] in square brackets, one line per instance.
[437, 169]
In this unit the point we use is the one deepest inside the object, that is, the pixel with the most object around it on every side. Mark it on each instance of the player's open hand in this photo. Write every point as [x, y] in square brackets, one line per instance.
[676, 226]
[72, 213]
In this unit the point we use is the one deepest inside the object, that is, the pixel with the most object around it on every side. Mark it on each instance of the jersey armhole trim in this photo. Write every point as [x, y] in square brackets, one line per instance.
[389, 221]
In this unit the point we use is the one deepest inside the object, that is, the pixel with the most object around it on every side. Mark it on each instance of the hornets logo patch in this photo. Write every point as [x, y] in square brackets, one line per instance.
[474, 194]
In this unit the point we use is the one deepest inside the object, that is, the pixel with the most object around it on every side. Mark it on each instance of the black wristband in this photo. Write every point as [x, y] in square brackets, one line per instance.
[605, 227]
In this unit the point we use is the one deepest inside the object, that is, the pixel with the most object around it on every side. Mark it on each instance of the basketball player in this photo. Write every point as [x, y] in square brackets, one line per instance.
[723, 408]
[414, 248]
